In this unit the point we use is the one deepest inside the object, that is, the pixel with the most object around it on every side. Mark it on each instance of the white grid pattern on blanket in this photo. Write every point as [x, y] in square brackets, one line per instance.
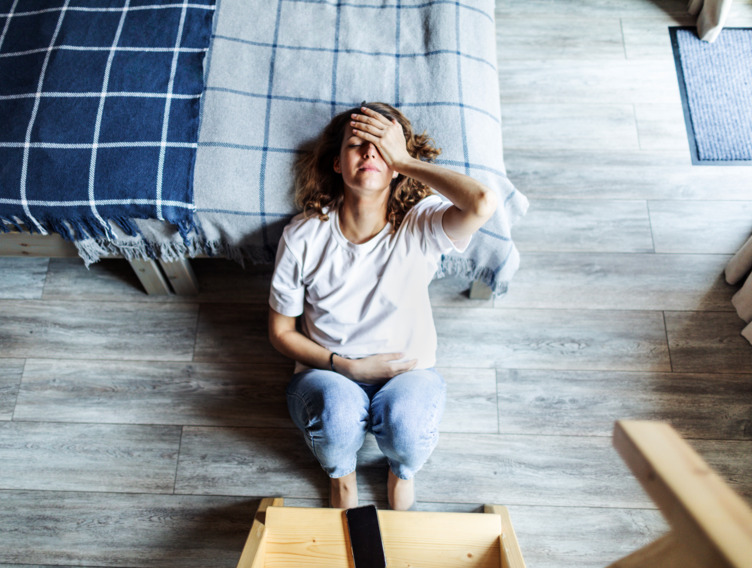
[96, 197]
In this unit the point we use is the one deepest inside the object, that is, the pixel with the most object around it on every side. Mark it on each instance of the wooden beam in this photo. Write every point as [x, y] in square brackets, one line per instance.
[665, 552]
[480, 291]
[254, 549]
[712, 522]
[511, 555]
[28, 244]
[150, 275]
[180, 276]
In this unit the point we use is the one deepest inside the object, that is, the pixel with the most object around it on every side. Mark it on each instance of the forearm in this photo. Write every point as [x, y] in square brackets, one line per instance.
[296, 346]
[286, 339]
[465, 193]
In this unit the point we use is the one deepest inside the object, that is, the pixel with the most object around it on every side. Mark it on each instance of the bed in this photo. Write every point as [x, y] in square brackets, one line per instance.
[163, 130]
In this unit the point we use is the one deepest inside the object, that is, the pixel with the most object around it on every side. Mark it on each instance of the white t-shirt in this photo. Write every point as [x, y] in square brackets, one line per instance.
[364, 299]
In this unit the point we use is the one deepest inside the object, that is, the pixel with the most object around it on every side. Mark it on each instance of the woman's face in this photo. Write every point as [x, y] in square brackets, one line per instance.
[361, 165]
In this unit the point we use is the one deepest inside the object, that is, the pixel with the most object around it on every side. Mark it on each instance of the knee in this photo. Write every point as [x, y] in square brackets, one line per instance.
[333, 413]
[342, 421]
[410, 426]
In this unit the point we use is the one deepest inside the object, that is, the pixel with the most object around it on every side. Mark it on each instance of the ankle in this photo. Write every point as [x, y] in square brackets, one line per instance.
[343, 492]
[401, 492]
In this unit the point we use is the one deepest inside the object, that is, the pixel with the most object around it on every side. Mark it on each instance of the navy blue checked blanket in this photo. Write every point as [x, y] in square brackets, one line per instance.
[99, 107]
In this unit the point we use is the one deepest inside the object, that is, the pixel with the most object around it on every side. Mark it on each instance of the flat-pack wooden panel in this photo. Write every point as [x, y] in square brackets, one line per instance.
[318, 537]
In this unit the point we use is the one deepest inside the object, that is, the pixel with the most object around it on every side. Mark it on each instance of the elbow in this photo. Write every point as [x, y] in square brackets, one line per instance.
[485, 204]
[278, 326]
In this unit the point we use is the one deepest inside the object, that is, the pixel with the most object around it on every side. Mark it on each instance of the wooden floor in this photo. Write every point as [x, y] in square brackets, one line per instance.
[141, 432]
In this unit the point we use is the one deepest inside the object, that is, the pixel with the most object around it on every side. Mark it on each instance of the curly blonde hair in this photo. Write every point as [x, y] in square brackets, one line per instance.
[318, 188]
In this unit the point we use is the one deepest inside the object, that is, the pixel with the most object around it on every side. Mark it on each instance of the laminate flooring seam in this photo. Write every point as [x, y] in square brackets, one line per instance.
[18, 391]
[668, 343]
[195, 332]
[177, 461]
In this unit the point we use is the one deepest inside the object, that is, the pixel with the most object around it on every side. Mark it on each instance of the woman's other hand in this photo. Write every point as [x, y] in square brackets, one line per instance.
[375, 368]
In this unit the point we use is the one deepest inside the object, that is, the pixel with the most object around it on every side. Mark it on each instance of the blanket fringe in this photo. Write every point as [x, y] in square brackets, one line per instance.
[71, 229]
[96, 244]
[92, 250]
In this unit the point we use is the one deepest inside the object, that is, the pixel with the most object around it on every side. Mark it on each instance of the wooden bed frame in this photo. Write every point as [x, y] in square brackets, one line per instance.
[157, 277]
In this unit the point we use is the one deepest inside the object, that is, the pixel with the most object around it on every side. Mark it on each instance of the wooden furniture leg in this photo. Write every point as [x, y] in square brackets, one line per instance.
[150, 276]
[181, 277]
[254, 550]
[480, 291]
[511, 556]
[711, 526]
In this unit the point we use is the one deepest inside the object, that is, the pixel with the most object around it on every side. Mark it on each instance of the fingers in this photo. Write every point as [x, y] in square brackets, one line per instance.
[375, 117]
[395, 365]
[372, 122]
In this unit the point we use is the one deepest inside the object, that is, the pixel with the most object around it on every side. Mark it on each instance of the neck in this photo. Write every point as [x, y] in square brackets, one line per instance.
[361, 218]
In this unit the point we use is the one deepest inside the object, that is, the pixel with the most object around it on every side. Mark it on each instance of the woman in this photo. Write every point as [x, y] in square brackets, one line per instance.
[355, 268]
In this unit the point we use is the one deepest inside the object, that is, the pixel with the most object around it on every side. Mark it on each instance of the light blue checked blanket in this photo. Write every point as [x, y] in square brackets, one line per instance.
[278, 70]
[99, 107]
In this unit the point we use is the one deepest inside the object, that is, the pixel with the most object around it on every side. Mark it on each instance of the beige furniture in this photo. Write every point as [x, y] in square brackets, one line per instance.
[289, 536]
[711, 526]
[739, 269]
[711, 15]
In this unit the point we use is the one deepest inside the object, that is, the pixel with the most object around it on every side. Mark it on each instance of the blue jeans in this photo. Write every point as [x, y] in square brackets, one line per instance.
[335, 414]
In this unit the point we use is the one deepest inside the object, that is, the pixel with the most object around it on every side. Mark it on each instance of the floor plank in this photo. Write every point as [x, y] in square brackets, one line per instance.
[554, 339]
[588, 9]
[23, 278]
[606, 281]
[10, 379]
[661, 127]
[100, 529]
[595, 126]
[235, 333]
[701, 226]
[595, 174]
[567, 225]
[583, 81]
[471, 400]
[500, 469]
[648, 38]
[551, 537]
[248, 461]
[707, 342]
[567, 38]
[88, 457]
[572, 403]
[103, 330]
[154, 393]
[531, 469]
[220, 280]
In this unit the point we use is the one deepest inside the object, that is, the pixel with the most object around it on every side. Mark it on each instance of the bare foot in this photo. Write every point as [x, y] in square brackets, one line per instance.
[401, 492]
[343, 492]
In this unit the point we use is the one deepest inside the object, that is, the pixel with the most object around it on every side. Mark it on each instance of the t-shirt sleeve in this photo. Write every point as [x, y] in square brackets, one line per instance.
[287, 294]
[428, 218]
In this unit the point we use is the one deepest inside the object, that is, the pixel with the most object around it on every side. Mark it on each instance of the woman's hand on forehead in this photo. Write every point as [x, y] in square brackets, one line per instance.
[385, 134]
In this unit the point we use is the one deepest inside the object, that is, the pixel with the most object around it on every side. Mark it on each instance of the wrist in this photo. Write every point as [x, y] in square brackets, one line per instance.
[337, 363]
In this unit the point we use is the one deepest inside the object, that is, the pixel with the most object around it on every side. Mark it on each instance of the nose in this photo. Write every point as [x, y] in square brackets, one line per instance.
[368, 149]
